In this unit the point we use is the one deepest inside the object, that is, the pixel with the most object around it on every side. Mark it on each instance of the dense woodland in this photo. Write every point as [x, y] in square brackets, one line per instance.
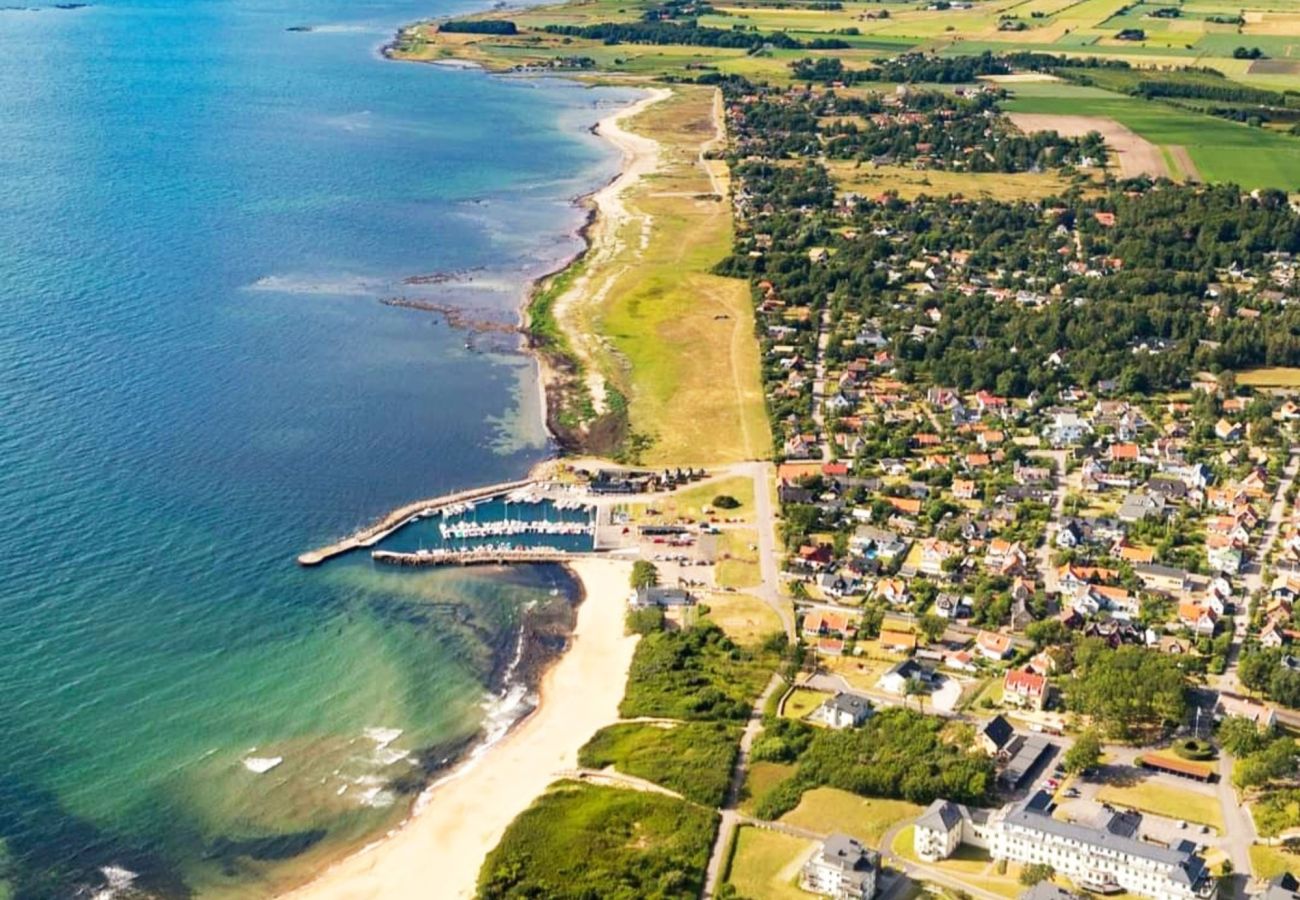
[1115, 284]
[690, 34]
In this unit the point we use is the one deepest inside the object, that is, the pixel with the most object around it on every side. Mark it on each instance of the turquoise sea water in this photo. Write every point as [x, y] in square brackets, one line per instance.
[199, 213]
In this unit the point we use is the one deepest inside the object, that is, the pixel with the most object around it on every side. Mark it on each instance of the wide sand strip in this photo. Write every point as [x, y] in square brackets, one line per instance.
[437, 854]
[640, 158]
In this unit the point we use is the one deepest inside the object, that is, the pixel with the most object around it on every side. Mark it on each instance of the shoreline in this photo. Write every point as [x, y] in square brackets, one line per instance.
[460, 817]
[457, 821]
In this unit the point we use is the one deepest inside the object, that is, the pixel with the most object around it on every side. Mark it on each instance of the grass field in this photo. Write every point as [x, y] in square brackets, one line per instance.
[683, 339]
[1276, 377]
[1269, 862]
[910, 183]
[972, 866]
[740, 568]
[761, 778]
[691, 502]
[765, 864]
[865, 818]
[745, 619]
[802, 701]
[1162, 800]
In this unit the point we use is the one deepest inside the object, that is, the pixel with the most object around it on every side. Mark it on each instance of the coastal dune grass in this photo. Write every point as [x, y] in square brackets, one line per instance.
[581, 840]
[683, 343]
[693, 759]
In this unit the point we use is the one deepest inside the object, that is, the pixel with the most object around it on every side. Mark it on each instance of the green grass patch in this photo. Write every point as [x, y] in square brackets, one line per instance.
[699, 673]
[865, 818]
[1270, 862]
[802, 701]
[1162, 800]
[580, 841]
[693, 758]
[766, 864]
[760, 778]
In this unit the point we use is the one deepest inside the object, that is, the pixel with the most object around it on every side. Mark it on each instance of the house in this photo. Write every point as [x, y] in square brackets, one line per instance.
[951, 606]
[895, 680]
[829, 624]
[1200, 619]
[662, 597]
[1232, 705]
[842, 711]
[1025, 688]
[897, 641]
[993, 645]
[1162, 578]
[996, 734]
[1273, 637]
[934, 553]
[1138, 506]
[892, 590]
[1227, 431]
[1005, 557]
[1067, 427]
[842, 869]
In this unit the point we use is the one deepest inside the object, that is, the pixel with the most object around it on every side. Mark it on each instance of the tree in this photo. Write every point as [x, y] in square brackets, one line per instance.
[1033, 873]
[932, 627]
[1240, 736]
[1085, 754]
[726, 501]
[644, 574]
[915, 687]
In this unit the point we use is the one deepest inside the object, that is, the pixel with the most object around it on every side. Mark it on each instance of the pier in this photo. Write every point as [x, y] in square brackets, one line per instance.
[479, 556]
[377, 531]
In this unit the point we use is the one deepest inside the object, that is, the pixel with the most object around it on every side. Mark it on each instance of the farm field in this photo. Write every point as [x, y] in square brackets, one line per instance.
[1220, 150]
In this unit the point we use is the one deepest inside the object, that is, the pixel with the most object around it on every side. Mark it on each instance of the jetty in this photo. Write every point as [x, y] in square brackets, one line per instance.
[478, 556]
[377, 531]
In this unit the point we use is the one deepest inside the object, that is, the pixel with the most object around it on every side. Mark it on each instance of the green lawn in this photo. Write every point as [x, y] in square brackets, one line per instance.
[865, 818]
[802, 701]
[1164, 800]
[765, 865]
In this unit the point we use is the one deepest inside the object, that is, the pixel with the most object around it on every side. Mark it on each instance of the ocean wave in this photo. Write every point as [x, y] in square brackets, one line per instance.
[116, 880]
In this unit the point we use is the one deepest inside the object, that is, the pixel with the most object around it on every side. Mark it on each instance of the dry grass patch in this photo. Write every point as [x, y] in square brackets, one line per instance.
[745, 619]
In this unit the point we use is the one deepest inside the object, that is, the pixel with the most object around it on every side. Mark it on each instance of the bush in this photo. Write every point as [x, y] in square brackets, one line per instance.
[726, 501]
[694, 758]
[1194, 749]
[695, 674]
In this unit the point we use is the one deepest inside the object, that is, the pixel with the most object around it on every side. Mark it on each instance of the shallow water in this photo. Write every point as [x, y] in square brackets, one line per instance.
[199, 214]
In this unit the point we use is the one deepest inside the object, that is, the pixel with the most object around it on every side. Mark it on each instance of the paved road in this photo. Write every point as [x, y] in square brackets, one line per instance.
[819, 383]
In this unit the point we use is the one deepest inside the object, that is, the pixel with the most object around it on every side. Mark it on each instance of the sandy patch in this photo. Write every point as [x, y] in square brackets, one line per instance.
[1183, 160]
[440, 849]
[1137, 155]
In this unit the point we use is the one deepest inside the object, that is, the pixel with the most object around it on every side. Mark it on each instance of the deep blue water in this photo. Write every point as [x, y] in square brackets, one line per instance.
[199, 214]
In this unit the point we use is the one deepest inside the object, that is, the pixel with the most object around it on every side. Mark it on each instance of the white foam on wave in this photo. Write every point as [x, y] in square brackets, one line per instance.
[259, 765]
[117, 879]
[382, 736]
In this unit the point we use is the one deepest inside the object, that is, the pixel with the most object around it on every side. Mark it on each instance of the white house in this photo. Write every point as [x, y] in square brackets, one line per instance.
[843, 869]
[842, 711]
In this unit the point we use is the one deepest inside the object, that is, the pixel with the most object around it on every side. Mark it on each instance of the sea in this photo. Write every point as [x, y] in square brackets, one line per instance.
[202, 213]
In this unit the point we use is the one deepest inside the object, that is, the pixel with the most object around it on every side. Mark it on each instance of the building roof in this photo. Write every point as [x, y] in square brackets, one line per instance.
[999, 731]
[854, 861]
[1283, 887]
[1035, 813]
[849, 705]
[941, 815]
[1045, 890]
[1027, 754]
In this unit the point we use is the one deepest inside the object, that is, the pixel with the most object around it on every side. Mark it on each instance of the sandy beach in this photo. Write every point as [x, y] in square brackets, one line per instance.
[438, 852]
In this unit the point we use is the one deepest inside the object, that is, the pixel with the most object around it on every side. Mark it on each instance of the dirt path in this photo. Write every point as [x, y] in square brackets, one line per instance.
[1184, 161]
[1137, 155]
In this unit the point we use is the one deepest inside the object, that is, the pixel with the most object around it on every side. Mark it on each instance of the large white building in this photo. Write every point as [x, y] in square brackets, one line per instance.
[1104, 858]
[842, 869]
